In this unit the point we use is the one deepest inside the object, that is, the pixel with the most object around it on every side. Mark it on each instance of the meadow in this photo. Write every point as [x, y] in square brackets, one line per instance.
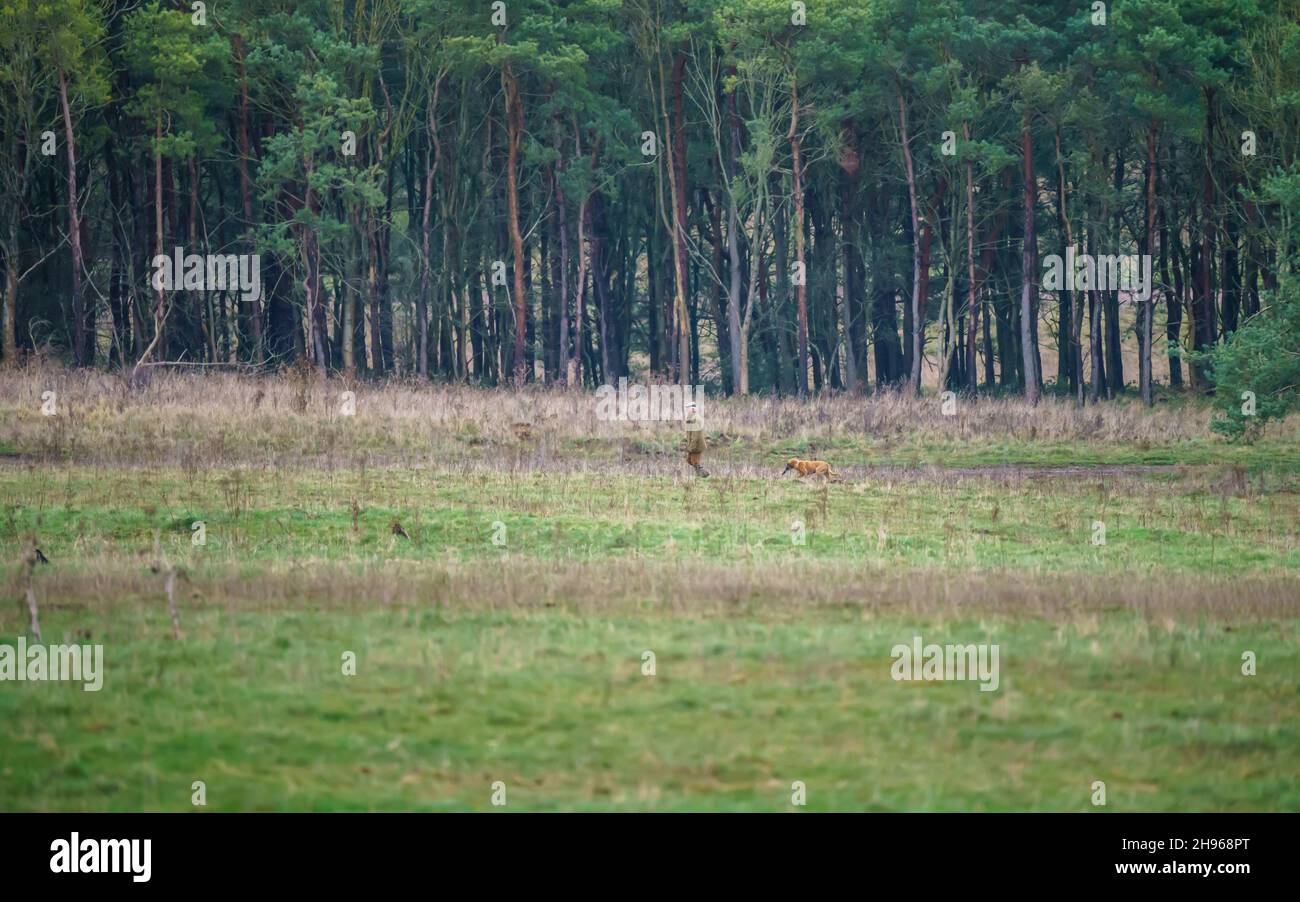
[498, 564]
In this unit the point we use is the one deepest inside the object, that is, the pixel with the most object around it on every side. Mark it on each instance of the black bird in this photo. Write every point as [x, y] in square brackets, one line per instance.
[40, 557]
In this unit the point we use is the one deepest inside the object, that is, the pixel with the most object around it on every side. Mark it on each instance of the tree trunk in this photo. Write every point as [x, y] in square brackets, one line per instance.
[426, 235]
[514, 137]
[1110, 298]
[382, 313]
[738, 336]
[719, 311]
[80, 340]
[561, 207]
[1230, 273]
[680, 317]
[1147, 310]
[312, 284]
[1027, 280]
[204, 315]
[1097, 388]
[950, 342]
[1075, 300]
[600, 287]
[1065, 369]
[12, 262]
[918, 323]
[884, 310]
[1203, 328]
[1173, 306]
[249, 310]
[1250, 298]
[579, 295]
[933, 205]
[972, 288]
[801, 288]
[160, 301]
[855, 332]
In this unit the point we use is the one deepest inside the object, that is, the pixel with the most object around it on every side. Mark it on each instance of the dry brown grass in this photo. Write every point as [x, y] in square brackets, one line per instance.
[689, 588]
[210, 419]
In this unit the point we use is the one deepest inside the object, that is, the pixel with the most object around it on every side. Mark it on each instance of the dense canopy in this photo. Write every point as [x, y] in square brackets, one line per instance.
[754, 195]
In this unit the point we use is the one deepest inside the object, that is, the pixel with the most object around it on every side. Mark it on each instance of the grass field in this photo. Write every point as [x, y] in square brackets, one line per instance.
[500, 563]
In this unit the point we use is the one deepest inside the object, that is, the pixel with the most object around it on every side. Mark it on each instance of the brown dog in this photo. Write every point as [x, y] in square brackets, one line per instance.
[810, 468]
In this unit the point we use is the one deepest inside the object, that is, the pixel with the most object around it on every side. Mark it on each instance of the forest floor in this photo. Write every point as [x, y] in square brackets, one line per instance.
[499, 564]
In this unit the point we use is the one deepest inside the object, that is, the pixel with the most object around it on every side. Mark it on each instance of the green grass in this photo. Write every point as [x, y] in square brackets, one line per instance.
[255, 705]
[1151, 524]
[1273, 456]
[522, 662]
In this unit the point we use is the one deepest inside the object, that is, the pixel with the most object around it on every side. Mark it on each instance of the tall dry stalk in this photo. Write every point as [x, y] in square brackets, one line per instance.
[171, 602]
[29, 566]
